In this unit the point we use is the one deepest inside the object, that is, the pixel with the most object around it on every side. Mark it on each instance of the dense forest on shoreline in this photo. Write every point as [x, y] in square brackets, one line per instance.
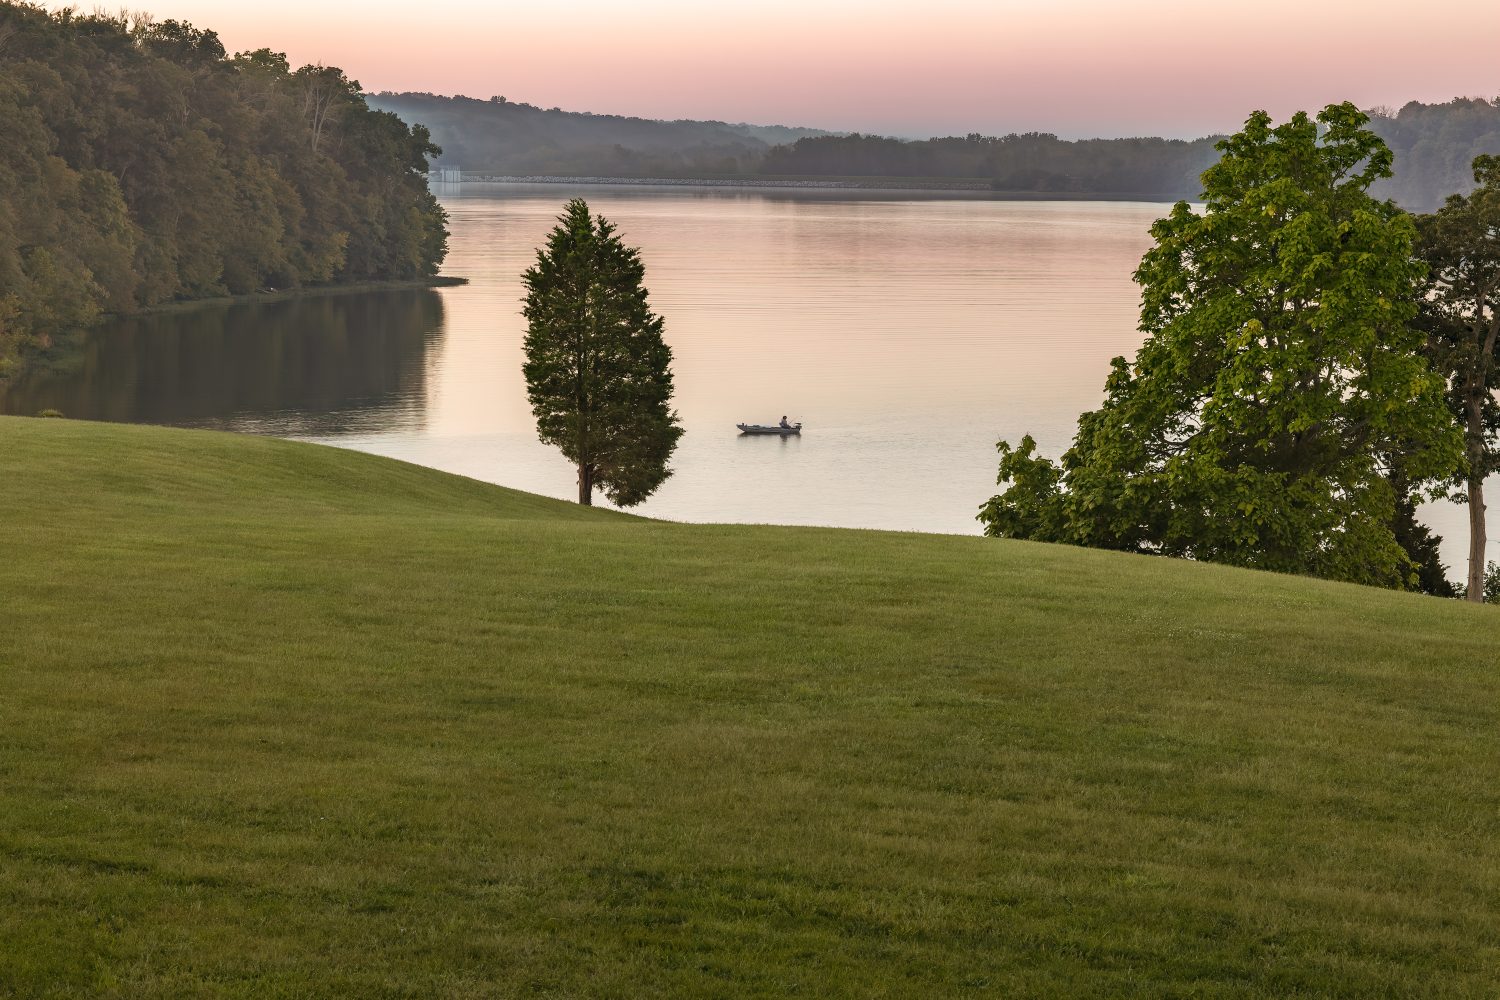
[1434, 145]
[141, 164]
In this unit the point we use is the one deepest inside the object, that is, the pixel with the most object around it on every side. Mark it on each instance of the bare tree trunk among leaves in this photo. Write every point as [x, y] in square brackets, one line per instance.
[1474, 591]
[315, 106]
[1461, 244]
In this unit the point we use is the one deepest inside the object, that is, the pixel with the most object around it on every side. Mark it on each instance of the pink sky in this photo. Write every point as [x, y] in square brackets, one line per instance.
[1075, 67]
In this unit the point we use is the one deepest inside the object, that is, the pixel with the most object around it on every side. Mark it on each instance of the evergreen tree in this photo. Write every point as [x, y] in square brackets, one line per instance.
[598, 373]
[1280, 384]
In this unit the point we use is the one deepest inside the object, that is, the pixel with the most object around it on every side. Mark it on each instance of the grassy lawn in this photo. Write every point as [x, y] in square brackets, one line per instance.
[281, 720]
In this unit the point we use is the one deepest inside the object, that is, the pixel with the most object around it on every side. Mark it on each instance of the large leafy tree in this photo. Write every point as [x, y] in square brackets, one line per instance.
[1461, 312]
[1281, 386]
[598, 373]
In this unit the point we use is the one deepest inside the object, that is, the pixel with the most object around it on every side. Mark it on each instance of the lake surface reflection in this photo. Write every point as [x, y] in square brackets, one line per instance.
[908, 333]
[323, 365]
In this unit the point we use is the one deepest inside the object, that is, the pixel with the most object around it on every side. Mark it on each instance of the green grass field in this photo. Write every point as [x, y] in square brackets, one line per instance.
[282, 720]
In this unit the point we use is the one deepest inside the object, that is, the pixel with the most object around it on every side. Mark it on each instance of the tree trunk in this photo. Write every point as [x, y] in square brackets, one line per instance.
[585, 485]
[1475, 428]
[1479, 388]
[1475, 432]
[1476, 539]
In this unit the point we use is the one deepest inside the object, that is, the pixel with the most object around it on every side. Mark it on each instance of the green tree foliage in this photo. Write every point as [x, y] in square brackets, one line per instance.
[141, 164]
[598, 373]
[1281, 388]
[1461, 314]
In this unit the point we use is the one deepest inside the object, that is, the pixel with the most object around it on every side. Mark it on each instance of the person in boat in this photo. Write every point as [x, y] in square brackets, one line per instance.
[783, 421]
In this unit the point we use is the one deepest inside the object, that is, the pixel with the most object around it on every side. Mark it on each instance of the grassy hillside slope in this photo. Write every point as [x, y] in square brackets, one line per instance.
[280, 720]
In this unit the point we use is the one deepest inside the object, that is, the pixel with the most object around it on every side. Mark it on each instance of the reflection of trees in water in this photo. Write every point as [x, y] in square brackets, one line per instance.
[319, 365]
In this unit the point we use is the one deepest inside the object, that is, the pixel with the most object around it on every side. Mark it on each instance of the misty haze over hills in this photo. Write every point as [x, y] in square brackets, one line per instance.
[1434, 145]
[502, 137]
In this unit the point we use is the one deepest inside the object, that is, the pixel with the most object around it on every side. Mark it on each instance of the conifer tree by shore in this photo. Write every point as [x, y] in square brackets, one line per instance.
[598, 372]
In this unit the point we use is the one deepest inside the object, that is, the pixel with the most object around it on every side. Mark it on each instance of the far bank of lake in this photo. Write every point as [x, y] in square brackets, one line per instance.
[909, 187]
[307, 292]
[907, 331]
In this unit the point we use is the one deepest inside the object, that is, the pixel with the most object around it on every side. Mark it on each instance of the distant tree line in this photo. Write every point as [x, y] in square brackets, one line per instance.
[140, 164]
[1035, 162]
[1433, 145]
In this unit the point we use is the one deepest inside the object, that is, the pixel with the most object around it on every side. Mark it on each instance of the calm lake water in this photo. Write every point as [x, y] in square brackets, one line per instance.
[906, 333]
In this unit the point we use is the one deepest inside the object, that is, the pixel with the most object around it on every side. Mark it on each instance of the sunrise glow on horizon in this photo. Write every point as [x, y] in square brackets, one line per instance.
[1074, 67]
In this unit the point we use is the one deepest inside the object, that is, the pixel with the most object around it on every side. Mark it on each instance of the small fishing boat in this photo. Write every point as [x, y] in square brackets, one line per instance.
[769, 429]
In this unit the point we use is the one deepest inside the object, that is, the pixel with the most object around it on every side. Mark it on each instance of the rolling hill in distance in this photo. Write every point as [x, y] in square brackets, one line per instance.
[504, 137]
[1434, 146]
